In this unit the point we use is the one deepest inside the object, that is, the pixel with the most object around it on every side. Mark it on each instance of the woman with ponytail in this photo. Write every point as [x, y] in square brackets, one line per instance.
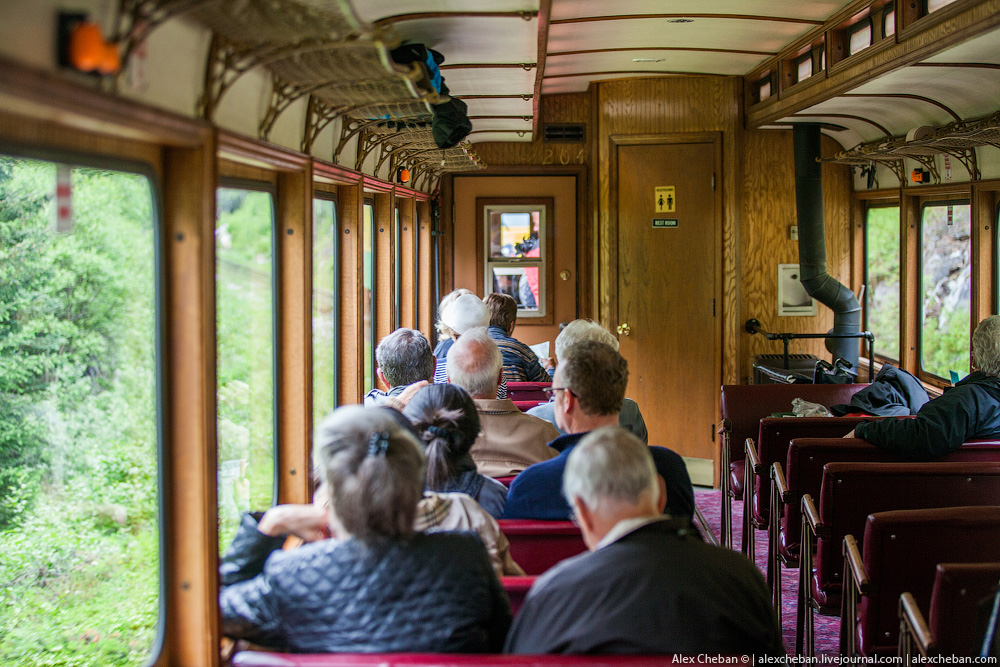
[446, 420]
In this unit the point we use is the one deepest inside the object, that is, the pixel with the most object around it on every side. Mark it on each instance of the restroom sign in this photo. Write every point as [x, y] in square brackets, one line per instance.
[664, 198]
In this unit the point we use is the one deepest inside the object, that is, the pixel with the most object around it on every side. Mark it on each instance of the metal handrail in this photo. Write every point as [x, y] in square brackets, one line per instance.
[754, 326]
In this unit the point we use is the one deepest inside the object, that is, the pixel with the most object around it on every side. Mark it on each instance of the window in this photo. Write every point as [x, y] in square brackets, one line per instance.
[516, 251]
[245, 361]
[324, 308]
[934, 5]
[889, 22]
[764, 88]
[397, 272]
[859, 37]
[368, 278]
[804, 67]
[882, 279]
[79, 448]
[945, 286]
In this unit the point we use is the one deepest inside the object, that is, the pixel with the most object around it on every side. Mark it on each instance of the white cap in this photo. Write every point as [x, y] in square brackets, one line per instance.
[466, 312]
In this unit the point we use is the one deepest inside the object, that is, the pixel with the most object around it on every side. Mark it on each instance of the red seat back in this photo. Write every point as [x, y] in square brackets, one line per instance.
[517, 589]
[524, 406]
[958, 588]
[773, 438]
[267, 659]
[538, 545]
[745, 405]
[901, 552]
[506, 481]
[852, 491]
[528, 391]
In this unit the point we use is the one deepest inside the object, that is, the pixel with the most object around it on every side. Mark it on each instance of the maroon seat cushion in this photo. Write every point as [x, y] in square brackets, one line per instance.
[528, 391]
[517, 589]
[506, 481]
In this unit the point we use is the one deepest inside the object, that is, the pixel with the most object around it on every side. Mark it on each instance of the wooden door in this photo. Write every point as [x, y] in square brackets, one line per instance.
[668, 282]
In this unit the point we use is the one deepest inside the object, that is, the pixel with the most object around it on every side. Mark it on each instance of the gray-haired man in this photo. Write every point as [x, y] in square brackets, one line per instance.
[649, 585]
[405, 360]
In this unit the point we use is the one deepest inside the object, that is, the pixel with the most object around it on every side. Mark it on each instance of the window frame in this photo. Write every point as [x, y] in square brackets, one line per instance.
[138, 167]
[945, 199]
[868, 206]
[253, 185]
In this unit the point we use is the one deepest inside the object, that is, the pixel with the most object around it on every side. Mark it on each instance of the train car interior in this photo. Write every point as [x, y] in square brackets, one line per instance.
[212, 211]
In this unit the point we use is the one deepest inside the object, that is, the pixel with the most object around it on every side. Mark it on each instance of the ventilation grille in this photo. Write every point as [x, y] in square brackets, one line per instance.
[564, 133]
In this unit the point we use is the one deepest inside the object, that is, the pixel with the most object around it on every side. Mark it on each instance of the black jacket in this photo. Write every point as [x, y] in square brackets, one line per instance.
[431, 593]
[894, 393]
[657, 590]
[970, 409]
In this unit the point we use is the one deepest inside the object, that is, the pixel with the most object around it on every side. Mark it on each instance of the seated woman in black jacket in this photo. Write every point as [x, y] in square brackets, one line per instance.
[446, 418]
[375, 585]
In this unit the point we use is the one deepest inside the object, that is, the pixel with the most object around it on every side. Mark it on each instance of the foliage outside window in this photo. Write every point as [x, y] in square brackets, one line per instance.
[882, 281]
[397, 272]
[516, 255]
[368, 277]
[324, 308]
[245, 360]
[79, 520]
[945, 287]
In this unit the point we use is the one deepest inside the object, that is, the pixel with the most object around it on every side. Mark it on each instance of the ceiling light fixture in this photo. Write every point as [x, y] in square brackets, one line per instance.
[680, 20]
[648, 60]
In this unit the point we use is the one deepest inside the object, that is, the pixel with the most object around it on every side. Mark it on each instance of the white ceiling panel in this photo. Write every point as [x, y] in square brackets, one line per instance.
[578, 84]
[500, 107]
[894, 114]
[490, 81]
[518, 124]
[373, 10]
[739, 34]
[817, 10]
[479, 137]
[855, 131]
[970, 93]
[464, 39]
[982, 49]
[673, 61]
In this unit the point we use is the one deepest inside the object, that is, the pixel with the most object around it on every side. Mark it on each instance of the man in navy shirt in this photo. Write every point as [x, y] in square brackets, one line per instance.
[589, 387]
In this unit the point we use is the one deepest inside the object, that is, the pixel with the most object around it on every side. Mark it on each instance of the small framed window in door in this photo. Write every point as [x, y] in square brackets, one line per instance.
[515, 237]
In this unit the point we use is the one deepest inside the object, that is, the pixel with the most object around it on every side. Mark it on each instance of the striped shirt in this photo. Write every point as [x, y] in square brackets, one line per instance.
[520, 364]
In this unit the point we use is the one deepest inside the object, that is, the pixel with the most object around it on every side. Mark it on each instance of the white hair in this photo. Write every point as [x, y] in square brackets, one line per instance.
[610, 464]
[474, 363]
[578, 331]
[986, 346]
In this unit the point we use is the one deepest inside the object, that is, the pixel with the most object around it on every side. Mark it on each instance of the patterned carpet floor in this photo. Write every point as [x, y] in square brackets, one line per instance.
[827, 627]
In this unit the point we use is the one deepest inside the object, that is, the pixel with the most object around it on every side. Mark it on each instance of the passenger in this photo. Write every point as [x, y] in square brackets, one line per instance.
[520, 364]
[575, 332]
[649, 585]
[589, 387]
[970, 409]
[465, 312]
[405, 362]
[446, 419]
[446, 335]
[510, 440]
[376, 586]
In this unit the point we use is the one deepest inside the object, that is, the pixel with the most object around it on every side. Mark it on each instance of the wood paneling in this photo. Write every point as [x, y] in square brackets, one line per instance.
[408, 263]
[566, 108]
[350, 354]
[425, 261]
[768, 214]
[385, 266]
[295, 193]
[984, 211]
[909, 280]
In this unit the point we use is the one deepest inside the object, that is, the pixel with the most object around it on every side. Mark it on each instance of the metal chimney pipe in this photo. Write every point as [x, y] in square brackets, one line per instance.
[812, 245]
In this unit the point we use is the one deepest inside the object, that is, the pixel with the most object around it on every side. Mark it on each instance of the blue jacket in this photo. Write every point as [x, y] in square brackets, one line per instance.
[970, 409]
[537, 492]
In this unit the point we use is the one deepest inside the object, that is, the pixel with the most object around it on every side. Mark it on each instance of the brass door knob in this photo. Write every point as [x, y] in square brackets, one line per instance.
[624, 328]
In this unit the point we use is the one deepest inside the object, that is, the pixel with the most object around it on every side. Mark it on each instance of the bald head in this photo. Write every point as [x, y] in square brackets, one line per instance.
[475, 364]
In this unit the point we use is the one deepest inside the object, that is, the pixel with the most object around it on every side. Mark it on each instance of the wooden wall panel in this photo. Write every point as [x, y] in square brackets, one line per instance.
[566, 108]
[425, 260]
[350, 353]
[768, 213]
[385, 266]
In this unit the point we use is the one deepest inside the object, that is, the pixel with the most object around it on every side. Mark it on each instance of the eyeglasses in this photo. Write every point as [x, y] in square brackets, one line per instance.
[551, 391]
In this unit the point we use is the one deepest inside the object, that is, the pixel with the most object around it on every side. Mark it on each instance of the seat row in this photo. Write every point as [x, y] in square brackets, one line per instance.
[817, 494]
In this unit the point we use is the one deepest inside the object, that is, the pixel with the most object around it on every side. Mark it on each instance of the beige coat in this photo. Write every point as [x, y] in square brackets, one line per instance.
[509, 440]
[443, 512]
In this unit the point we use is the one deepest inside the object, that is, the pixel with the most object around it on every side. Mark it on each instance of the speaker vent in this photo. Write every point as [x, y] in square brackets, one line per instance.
[564, 133]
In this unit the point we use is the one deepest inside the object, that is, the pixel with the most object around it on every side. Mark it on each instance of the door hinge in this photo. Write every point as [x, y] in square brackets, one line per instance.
[713, 181]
